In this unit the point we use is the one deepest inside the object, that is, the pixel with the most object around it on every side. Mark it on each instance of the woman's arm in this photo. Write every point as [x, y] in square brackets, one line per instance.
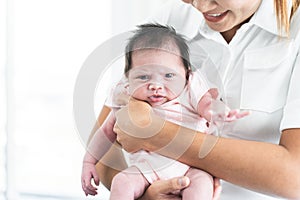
[263, 167]
[113, 161]
[266, 168]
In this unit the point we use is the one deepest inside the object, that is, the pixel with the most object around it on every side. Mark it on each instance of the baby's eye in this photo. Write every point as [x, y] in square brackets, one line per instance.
[169, 75]
[143, 77]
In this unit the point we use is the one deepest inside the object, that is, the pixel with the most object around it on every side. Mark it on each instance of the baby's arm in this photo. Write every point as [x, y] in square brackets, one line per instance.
[99, 145]
[204, 106]
[103, 138]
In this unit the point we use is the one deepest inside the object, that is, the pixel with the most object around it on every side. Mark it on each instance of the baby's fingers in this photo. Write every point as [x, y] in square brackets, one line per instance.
[96, 178]
[216, 117]
[231, 116]
[236, 114]
[242, 114]
[89, 191]
[87, 187]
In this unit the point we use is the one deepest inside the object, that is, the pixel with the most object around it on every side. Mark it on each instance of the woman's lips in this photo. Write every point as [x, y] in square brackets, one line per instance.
[214, 17]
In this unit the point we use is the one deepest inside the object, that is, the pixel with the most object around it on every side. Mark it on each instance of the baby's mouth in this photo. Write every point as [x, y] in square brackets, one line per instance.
[156, 98]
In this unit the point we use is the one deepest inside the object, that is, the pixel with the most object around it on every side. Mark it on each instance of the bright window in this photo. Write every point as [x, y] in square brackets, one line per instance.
[46, 43]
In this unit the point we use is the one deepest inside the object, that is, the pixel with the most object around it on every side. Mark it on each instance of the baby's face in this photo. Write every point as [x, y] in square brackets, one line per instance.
[156, 76]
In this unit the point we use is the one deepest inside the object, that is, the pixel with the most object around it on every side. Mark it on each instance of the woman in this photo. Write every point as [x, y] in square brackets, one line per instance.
[254, 46]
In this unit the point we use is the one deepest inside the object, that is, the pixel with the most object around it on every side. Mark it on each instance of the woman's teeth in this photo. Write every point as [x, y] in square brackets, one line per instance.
[215, 15]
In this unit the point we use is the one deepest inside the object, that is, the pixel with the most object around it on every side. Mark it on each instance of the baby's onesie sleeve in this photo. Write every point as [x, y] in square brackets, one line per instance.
[197, 87]
[118, 96]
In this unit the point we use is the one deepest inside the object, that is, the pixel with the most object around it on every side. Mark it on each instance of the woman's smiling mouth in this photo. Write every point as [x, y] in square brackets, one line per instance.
[214, 17]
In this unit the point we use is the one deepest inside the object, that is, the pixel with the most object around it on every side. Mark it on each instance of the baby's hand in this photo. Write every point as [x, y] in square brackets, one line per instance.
[235, 114]
[220, 112]
[89, 173]
[228, 116]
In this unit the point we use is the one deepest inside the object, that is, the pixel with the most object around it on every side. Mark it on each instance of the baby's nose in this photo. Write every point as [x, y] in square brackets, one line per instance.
[155, 86]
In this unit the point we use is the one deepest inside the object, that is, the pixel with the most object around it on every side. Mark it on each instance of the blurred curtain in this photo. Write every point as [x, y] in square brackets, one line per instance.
[43, 46]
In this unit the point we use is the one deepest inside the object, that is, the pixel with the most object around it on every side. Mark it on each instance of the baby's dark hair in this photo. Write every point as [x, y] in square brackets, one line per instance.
[160, 37]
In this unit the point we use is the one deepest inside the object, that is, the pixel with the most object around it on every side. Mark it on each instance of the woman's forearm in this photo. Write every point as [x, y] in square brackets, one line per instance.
[113, 161]
[101, 118]
[263, 167]
[267, 168]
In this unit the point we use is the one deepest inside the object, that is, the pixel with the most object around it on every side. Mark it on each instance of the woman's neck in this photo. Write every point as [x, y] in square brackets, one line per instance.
[228, 35]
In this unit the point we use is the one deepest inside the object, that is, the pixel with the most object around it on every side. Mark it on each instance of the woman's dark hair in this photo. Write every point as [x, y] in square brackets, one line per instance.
[156, 36]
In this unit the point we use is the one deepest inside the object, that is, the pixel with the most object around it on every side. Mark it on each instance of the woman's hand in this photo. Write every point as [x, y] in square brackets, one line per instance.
[167, 189]
[128, 142]
[135, 123]
[217, 189]
[164, 189]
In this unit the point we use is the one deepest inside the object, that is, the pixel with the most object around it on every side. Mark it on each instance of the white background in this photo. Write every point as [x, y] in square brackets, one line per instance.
[43, 46]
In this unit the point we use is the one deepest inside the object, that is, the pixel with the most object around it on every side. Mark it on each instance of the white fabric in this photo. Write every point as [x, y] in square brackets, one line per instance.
[258, 72]
[156, 167]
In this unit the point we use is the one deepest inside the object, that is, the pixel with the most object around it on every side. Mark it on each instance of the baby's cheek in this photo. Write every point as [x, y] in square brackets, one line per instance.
[139, 94]
[136, 88]
[175, 88]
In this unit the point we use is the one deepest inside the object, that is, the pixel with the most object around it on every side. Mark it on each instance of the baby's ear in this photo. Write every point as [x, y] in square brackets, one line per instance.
[214, 93]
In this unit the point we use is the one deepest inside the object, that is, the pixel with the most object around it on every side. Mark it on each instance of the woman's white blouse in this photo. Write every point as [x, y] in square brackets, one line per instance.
[257, 71]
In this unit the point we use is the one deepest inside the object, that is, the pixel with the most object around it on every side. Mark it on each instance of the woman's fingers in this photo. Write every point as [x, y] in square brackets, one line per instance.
[217, 189]
[166, 189]
[174, 185]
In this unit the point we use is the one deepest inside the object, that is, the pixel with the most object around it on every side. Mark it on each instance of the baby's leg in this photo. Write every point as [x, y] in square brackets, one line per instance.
[128, 185]
[201, 186]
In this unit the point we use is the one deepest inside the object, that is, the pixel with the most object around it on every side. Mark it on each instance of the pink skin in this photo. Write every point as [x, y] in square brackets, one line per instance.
[226, 16]
[156, 76]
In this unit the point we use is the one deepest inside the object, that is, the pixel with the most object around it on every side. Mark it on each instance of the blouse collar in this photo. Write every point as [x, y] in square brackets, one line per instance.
[265, 17]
